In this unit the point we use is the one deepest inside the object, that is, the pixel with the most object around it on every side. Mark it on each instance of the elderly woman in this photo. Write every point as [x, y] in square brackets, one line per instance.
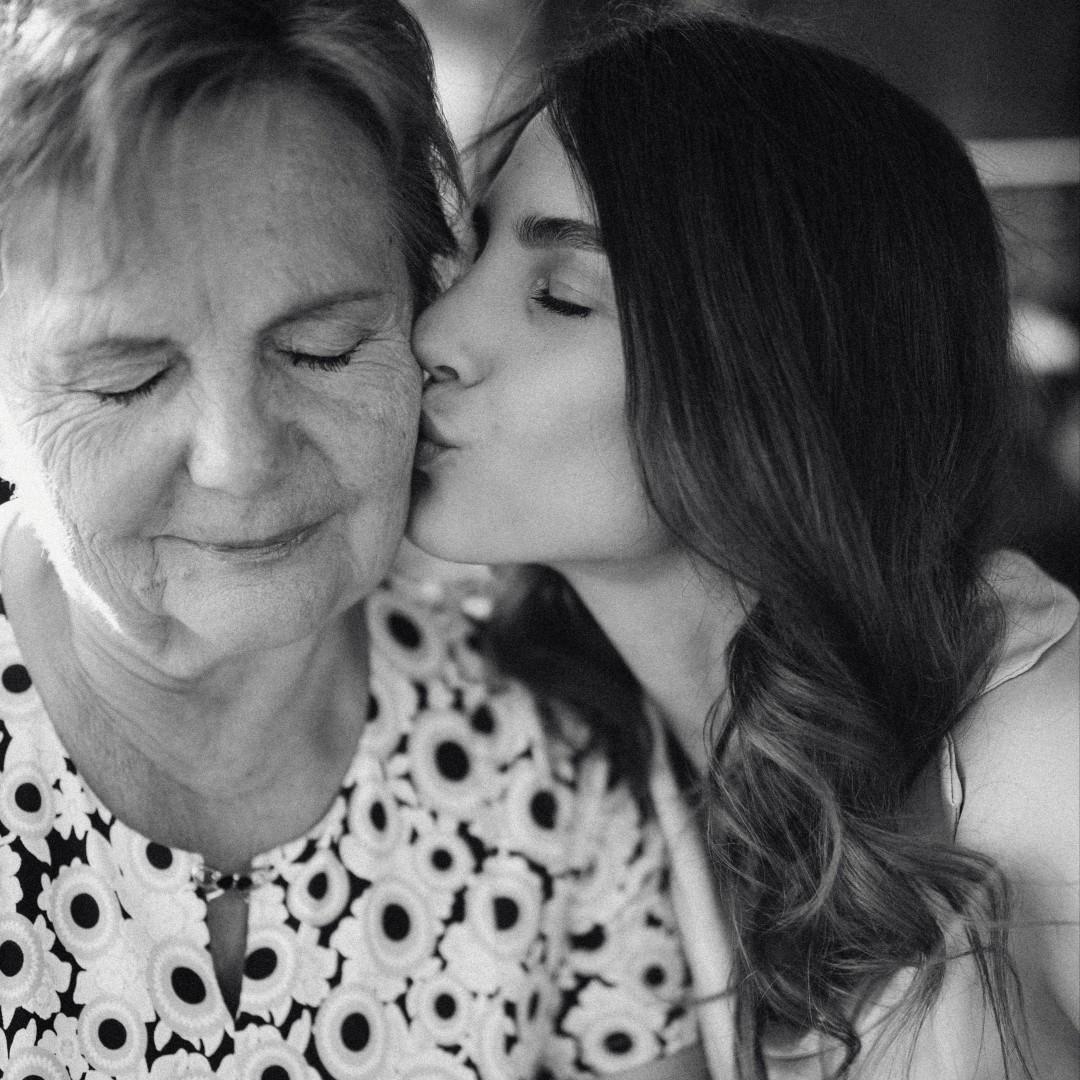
[260, 815]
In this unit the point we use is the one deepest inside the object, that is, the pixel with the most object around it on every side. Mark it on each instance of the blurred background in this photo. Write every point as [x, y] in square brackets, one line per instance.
[1002, 73]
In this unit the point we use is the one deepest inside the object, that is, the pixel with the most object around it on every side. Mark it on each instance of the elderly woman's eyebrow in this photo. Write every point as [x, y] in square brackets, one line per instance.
[71, 362]
[117, 346]
[120, 347]
[134, 348]
[534, 231]
[332, 305]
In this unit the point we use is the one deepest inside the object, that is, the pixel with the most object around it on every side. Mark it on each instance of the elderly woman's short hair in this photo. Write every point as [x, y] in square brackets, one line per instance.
[91, 90]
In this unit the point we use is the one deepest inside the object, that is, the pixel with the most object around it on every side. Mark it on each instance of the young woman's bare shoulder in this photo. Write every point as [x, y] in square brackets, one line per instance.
[1019, 754]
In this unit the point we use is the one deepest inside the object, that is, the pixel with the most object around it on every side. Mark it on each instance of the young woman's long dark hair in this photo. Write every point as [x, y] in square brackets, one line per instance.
[814, 316]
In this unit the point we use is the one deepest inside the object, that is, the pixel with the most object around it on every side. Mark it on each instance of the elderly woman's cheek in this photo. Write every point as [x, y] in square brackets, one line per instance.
[386, 413]
[54, 439]
[104, 466]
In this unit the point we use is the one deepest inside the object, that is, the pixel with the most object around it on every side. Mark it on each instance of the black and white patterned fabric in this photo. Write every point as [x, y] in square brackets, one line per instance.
[477, 902]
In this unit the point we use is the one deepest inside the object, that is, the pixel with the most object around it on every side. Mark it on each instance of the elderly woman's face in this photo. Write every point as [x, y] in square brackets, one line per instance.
[222, 407]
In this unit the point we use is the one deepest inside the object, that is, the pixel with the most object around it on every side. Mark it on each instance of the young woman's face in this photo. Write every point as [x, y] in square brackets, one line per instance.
[524, 453]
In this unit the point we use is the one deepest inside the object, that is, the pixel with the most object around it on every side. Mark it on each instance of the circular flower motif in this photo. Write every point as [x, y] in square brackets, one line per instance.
[449, 765]
[375, 818]
[84, 911]
[502, 906]
[151, 866]
[112, 1038]
[271, 1060]
[442, 1006]
[442, 860]
[18, 697]
[34, 1063]
[615, 1031]
[611, 1043]
[26, 803]
[399, 928]
[654, 966]
[269, 969]
[351, 1034]
[401, 630]
[184, 990]
[22, 961]
[319, 892]
[537, 816]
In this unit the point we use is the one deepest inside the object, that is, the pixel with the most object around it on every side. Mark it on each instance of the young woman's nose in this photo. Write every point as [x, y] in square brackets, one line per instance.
[238, 445]
[448, 336]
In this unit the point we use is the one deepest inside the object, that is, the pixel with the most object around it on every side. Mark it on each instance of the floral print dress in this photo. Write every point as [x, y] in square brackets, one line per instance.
[478, 901]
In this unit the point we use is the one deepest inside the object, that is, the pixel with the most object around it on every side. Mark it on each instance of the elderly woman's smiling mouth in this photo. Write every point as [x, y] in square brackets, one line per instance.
[260, 548]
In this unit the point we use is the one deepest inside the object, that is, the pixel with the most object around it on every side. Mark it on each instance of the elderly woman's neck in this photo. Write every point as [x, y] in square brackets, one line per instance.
[235, 707]
[210, 679]
[227, 761]
[671, 622]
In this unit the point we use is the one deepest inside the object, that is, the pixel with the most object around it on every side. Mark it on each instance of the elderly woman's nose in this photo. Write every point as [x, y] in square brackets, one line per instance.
[237, 442]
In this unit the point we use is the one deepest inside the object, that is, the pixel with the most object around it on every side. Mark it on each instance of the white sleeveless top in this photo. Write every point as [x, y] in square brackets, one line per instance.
[1038, 613]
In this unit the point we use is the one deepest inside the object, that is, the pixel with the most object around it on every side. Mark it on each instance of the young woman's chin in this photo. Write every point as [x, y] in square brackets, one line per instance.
[437, 527]
[482, 527]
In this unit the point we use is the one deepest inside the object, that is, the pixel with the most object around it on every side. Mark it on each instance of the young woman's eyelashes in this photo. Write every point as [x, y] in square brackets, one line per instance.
[541, 293]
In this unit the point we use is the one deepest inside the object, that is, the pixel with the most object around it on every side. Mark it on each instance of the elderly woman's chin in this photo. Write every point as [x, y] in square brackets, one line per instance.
[189, 601]
[222, 603]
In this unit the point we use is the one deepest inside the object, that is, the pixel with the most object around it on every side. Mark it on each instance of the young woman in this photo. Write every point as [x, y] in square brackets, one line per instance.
[730, 371]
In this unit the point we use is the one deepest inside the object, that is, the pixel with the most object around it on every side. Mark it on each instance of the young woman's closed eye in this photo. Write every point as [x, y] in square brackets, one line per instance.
[527, 374]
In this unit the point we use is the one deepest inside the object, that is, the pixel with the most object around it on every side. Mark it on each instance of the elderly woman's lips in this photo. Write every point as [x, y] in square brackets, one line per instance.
[280, 542]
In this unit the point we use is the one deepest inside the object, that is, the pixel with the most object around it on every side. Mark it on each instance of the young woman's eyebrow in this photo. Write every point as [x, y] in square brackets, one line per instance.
[543, 232]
